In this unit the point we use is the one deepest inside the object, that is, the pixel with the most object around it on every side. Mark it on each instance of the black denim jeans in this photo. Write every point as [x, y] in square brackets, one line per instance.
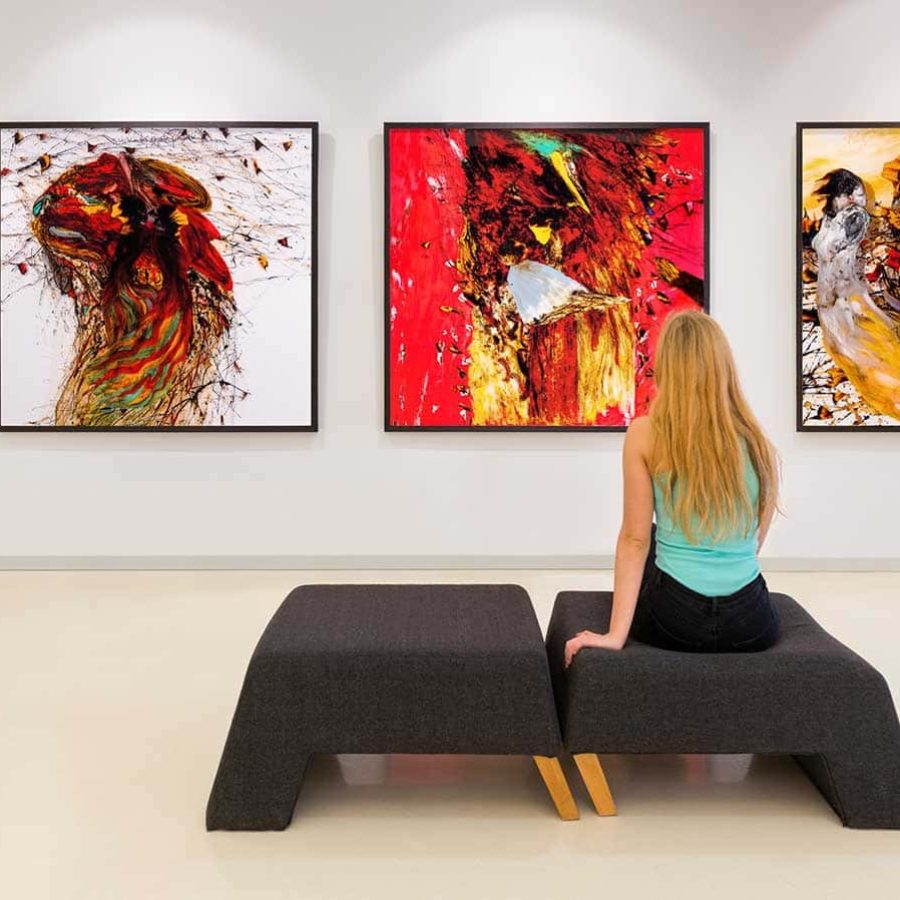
[672, 616]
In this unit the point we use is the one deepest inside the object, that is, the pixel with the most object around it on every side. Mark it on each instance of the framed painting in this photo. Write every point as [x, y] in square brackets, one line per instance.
[848, 276]
[529, 269]
[158, 276]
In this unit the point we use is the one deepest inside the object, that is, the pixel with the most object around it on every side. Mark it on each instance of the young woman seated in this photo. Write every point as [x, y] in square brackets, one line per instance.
[701, 464]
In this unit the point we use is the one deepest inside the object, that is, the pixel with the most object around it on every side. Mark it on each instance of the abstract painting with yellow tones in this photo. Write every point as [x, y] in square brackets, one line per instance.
[848, 283]
[529, 270]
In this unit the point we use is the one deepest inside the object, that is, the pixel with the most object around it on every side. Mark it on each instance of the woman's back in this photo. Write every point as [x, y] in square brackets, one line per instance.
[712, 566]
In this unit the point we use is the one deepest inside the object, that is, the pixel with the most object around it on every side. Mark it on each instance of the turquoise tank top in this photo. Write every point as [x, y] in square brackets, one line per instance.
[711, 568]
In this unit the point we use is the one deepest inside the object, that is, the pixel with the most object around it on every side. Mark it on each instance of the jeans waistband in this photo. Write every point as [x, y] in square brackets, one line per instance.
[748, 590]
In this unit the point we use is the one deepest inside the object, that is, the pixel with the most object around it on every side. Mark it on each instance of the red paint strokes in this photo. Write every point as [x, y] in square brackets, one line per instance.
[554, 370]
[614, 418]
[199, 255]
[678, 237]
[22, 267]
[429, 321]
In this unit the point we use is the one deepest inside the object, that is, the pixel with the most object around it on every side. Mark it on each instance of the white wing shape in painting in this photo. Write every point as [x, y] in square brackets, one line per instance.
[539, 289]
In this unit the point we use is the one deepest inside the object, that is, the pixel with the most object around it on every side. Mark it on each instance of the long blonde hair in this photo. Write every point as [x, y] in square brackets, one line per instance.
[700, 424]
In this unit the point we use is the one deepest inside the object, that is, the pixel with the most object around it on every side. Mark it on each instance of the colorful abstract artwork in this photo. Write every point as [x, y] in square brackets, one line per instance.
[158, 276]
[848, 282]
[529, 270]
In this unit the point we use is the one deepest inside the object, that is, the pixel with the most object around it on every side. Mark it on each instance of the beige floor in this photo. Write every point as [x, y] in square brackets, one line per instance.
[116, 690]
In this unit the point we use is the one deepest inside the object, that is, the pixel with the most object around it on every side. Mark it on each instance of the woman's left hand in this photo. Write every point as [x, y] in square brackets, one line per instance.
[589, 639]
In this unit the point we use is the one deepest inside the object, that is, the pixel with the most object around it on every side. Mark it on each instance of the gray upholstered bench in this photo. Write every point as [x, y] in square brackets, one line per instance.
[808, 697]
[386, 669]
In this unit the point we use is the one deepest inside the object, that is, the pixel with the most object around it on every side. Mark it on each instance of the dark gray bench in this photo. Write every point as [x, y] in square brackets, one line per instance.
[808, 696]
[386, 669]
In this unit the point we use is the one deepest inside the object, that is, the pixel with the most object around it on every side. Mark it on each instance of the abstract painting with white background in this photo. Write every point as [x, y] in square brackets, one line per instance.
[157, 276]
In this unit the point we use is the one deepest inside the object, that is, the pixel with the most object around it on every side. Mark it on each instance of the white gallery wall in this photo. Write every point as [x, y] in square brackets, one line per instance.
[751, 69]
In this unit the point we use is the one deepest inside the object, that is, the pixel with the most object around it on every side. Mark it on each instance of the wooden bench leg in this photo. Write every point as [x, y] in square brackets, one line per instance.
[557, 786]
[595, 781]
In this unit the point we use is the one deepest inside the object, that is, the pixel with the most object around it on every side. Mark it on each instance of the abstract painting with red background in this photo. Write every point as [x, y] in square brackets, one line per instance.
[529, 269]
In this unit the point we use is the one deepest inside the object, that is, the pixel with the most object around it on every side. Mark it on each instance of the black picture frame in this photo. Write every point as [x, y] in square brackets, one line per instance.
[703, 127]
[313, 127]
[798, 312]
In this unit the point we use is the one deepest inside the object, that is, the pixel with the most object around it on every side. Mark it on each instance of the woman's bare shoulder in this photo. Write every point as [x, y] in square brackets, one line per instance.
[638, 436]
[640, 427]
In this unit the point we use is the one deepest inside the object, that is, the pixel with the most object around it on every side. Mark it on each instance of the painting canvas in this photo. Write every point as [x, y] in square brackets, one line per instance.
[529, 269]
[848, 281]
[158, 276]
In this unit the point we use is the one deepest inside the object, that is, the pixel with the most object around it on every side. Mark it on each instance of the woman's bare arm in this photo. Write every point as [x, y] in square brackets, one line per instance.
[632, 546]
[634, 535]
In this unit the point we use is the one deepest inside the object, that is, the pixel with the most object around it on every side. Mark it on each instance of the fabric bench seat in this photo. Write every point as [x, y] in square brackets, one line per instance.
[386, 669]
[809, 696]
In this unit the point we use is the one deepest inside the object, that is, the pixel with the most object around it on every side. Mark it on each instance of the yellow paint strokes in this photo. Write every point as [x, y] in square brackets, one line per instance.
[864, 151]
[864, 342]
[606, 344]
[465, 260]
[91, 209]
[668, 271]
[179, 218]
[541, 233]
[560, 163]
[609, 277]
[602, 331]
[495, 378]
[116, 212]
